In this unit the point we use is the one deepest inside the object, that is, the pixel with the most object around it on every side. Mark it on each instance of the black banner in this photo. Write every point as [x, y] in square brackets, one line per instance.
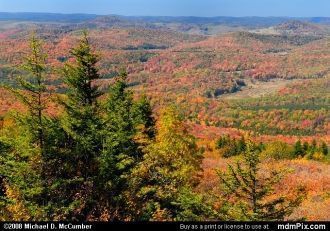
[177, 226]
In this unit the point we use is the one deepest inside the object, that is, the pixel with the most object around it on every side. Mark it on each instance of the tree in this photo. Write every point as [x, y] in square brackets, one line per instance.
[230, 147]
[144, 119]
[278, 150]
[305, 147]
[298, 149]
[27, 141]
[313, 147]
[4, 147]
[324, 148]
[35, 90]
[129, 128]
[21, 183]
[248, 193]
[241, 145]
[169, 168]
[120, 152]
[79, 143]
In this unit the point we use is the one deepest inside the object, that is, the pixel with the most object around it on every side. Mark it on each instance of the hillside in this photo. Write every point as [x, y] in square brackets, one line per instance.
[138, 118]
[200, 73]
[300, 28]
[191, 25]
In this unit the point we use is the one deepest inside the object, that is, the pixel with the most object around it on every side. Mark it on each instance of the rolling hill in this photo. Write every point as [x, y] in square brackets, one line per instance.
[202, 73]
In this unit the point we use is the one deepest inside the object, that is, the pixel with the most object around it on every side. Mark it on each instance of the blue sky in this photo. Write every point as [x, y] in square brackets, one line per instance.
[294, 8]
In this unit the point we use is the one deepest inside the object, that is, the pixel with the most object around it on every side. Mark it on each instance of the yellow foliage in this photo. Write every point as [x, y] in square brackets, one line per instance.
[16, 208]
[318, 156]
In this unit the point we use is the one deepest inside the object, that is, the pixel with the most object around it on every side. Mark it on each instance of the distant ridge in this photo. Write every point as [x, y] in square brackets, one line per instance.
[229, 21]
[46, 17]
[296, 27]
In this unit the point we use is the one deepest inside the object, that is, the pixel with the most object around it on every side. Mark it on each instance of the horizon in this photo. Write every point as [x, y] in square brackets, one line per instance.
[174, 8]
[177, 16]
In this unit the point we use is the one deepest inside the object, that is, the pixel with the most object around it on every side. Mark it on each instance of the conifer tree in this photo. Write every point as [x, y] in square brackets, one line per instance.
[305, 147]
[120, 151]
[78, 142]
[313, 147]
[324, 148]
[82, 122]
[298, 149]
[144, 117]
[34, 87]
[248, 193]
[26, 154]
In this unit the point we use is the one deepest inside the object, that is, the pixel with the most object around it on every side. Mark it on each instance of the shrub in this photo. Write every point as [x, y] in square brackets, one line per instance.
[278, 150]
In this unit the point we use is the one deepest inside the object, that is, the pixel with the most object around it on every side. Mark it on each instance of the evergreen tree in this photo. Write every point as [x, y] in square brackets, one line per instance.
[313, 147]
[79, 143]
[230, 147]
[27, 141]
[241, 145]
[120, 152]
[324, 148]
[298, 149]
[144, 117]
[34, 90]
[129, 128]
[20, 171]
[248, 193]
[305, 147]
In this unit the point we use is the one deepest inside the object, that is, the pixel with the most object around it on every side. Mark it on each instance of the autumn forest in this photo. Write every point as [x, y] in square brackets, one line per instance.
[113, 118]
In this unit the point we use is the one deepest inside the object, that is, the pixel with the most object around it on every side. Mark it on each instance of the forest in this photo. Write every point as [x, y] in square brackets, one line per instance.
[106, 156]
[160, 122]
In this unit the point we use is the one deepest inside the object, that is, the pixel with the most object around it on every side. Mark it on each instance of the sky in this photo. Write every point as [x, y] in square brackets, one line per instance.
[208, 8]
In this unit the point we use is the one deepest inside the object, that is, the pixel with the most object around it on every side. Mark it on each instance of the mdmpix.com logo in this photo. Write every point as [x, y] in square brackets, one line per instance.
[301, 226]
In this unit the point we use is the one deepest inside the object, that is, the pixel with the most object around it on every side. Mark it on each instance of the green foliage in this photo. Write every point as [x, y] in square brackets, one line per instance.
[72, 185]
[21, 176]
[170, 164]
[35, 89]
[316, 151]
[278, 150]
[230, 147]
[298, 149]
[103, 159]
[124, 121]
[248, 193]
[97, 145]
[192, 206]
[310, 149]
[143, 115]
[324, 148]
[22, 164]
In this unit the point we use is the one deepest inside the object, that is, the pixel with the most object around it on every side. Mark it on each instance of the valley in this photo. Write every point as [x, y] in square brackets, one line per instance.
[236, 82]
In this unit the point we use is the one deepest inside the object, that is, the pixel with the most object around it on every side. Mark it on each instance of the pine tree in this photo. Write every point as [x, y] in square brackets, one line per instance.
[82, 122]
[27, 140]
[20, 171]
[77, 139]
[120, 152]
[34, 90]
[241, 145]
[144, 117]
[305, 147]
[324, 148]
[298, 149]
[313, 147]
[247, 192]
